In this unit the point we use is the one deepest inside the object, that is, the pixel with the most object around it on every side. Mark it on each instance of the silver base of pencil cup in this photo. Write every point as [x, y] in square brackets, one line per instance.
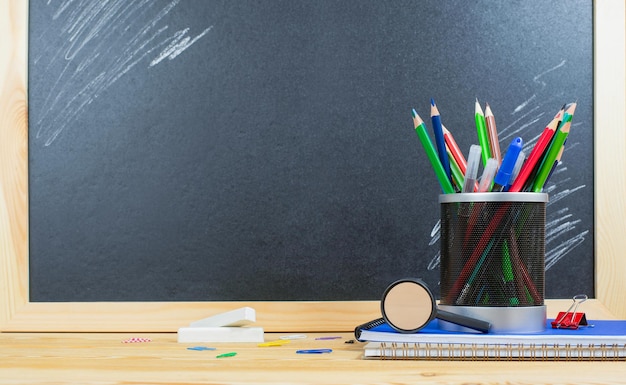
[527, 319]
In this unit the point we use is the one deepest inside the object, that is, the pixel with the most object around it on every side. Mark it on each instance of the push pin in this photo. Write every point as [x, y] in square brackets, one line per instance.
[571, 319]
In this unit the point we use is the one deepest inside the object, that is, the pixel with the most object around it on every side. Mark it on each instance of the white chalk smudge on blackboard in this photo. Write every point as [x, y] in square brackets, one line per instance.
[543, 84]
[556, 230]
[523, 105]
[561, 194]
[514, 127]
[557, 253]
[98, 43]
[435, 261]
[435, 233]
[179, 43]
[537, 79]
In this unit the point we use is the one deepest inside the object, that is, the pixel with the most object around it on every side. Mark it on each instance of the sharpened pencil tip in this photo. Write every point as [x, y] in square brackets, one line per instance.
[488, 111]
[477, 108]
[432, 101]
[414, 113]
[571, 108]
[416, 119]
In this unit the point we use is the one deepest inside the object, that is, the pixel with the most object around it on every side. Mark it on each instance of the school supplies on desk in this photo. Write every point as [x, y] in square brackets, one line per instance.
[516, 175]
[605, 341]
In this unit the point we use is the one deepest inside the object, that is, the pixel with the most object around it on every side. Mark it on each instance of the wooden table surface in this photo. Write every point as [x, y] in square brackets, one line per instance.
[103, 358]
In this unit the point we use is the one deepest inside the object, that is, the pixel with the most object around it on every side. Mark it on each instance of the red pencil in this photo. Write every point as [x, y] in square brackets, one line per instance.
[536, 153]
[456, 152]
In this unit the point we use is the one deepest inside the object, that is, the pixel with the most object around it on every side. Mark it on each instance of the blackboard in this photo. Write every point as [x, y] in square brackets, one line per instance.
[205, 150]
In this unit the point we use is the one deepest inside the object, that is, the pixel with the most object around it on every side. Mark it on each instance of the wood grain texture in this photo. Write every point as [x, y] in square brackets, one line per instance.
[13, 160]
[18, 314]
[85, 358]
[610, 154]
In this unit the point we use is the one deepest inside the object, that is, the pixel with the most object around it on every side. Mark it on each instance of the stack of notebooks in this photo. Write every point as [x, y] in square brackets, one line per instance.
[600, 340]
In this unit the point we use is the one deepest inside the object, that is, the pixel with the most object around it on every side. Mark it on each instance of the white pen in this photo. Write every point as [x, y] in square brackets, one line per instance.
[516, 169]
[471, 173]
[488, 173]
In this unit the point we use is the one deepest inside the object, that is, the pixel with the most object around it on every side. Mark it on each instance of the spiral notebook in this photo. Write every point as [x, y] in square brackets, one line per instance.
[601, 340]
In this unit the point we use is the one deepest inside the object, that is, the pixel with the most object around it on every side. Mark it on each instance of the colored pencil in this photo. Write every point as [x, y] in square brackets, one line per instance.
[457, 175]
[494, 143]
[535, 155]
[439, 140]
[481, 129]
[455, 151]
[442, 176]
[556, 162]
[551, 154]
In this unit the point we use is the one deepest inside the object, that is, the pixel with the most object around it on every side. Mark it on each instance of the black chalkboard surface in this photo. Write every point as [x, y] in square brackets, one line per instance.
[244, 150]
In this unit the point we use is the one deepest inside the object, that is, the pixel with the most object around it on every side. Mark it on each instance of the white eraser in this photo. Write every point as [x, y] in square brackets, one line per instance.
[221, 334]
[238, 317]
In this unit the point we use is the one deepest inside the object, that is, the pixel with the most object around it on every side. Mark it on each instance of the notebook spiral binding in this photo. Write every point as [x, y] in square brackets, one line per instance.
[500, 352]
[366, 326]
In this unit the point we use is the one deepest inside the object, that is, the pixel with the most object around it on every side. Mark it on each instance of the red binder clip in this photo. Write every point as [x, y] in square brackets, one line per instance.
[571, 319]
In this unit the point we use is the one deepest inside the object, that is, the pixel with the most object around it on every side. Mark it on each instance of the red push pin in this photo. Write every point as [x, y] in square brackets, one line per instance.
[571, 319]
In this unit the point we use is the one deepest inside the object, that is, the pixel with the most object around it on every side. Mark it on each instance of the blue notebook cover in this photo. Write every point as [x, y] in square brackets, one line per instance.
[609, 332]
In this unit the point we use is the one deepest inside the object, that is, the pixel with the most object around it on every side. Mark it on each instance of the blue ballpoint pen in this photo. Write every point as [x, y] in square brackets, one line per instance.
[503, 177]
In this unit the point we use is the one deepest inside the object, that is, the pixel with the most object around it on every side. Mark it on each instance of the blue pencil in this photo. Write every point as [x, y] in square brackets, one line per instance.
[439, 139]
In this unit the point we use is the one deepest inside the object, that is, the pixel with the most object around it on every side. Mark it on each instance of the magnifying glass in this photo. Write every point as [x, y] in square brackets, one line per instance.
[408, 305]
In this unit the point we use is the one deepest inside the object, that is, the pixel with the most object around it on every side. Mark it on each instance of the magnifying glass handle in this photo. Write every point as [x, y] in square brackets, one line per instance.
[461, 320]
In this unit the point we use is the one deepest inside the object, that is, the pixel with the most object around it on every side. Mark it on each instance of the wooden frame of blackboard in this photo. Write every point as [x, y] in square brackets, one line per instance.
[17, 313]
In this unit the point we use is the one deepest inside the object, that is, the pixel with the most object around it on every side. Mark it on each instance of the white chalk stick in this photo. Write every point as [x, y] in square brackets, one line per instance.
[238, 317]
[221, 334]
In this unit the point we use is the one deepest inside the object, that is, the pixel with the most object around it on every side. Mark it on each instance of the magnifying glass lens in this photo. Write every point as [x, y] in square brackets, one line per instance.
[407, 306]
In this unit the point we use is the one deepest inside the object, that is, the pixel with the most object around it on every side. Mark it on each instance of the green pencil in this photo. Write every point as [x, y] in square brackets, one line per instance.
[457, 175]
[509, 278]
[483, 134]
[420, 129]
[551, 154]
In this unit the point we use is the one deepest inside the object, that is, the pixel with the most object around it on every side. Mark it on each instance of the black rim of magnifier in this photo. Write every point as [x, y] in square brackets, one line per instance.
[433, 309]
[458, 319]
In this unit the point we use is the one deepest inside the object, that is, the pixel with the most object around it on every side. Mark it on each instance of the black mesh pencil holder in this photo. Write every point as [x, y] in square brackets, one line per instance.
[493, 258]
